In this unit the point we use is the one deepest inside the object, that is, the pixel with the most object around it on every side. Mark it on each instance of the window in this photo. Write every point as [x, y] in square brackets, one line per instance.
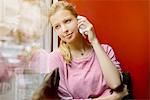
[29, 16]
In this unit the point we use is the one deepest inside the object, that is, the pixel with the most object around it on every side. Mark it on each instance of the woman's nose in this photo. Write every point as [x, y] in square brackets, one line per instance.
[64, 29]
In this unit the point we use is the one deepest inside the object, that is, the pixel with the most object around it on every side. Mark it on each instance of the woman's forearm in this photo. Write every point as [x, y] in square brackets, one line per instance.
[109, 97]
[111, 74]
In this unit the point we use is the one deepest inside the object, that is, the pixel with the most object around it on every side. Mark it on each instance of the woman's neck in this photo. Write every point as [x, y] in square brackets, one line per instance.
[79, 47]
[78, 44]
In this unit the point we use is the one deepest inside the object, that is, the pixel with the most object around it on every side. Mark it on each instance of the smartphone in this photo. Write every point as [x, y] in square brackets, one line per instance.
[81, 27]
[81, 30]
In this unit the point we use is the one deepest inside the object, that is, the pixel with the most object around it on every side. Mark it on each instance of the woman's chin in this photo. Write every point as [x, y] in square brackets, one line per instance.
[70, 39]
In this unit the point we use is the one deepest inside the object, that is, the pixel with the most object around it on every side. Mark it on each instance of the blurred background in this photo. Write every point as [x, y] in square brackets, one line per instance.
[23, 25]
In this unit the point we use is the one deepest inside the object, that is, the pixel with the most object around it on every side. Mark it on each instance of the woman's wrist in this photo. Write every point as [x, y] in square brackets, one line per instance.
[119, 88]
[115, 96]
[94, 41]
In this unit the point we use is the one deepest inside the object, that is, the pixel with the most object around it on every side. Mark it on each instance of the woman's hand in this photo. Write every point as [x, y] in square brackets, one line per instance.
[114, 95]
[120, 95]
[86, 28]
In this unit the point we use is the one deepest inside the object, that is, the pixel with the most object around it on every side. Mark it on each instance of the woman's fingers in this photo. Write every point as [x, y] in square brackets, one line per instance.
[125, 90]
[86, 28]
[120, 95]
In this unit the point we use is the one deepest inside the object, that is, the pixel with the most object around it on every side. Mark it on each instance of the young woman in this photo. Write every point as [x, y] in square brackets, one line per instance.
[88, 70]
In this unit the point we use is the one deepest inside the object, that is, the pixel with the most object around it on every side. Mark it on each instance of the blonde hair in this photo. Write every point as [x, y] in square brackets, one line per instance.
[65, 51]
[63, 5]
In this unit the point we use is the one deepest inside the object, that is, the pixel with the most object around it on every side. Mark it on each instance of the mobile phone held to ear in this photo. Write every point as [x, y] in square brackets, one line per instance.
[81, 27]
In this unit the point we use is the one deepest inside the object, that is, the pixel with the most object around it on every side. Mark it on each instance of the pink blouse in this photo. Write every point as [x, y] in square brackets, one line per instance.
[83, 78]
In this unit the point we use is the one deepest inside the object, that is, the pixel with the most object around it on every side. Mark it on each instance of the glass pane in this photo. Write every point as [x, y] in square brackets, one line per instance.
[23, 24]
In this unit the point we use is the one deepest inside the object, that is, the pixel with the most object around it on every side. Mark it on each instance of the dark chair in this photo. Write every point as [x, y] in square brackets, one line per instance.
[127, 80]
[48, 89]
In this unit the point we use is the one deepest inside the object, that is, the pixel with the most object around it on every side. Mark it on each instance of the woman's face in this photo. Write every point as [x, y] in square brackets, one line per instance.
[65, 24]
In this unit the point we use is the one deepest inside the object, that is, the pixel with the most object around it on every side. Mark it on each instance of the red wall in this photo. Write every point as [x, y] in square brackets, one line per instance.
[124, 25]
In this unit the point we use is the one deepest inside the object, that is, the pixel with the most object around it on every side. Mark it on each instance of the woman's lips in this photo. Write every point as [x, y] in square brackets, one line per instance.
[68, 35]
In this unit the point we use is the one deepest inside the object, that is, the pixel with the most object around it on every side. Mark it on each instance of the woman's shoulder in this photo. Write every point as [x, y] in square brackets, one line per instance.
[42, 54]
[55, 53]
[107, 48]
[56, 59]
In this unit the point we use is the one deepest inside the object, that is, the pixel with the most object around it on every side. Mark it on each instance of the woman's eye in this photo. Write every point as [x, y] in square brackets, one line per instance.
[57, 26]
[68, 21]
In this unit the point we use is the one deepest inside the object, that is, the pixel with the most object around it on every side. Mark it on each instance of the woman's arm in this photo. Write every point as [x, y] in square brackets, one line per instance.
[111, 74]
